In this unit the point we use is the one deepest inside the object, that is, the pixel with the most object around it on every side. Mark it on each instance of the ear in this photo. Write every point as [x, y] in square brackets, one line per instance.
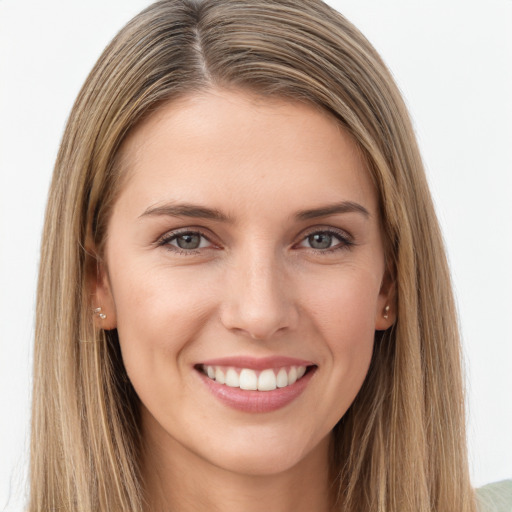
[102, 301]
[385, 315]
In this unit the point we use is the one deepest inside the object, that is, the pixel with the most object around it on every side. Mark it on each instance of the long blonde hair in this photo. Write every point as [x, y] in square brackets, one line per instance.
[401, 446]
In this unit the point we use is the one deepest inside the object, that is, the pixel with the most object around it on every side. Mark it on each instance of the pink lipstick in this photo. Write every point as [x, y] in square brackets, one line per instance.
[256, 384]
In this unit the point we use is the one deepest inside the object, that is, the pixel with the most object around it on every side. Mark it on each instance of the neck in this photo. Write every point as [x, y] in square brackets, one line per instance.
[177, 480]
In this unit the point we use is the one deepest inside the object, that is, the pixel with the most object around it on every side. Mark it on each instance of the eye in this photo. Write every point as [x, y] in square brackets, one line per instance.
[320, 240]
[185, 241]
[326, 240]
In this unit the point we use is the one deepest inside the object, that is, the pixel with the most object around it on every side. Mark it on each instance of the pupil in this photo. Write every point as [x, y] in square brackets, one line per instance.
[320, 240]
[188, 241]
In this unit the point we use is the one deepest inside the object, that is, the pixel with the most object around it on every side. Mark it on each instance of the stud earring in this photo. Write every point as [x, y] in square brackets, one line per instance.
[386, 311]
[97, 311]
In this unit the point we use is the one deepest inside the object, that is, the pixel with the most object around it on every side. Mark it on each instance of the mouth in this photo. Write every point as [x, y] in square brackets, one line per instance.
[249, 379]
[256, 385]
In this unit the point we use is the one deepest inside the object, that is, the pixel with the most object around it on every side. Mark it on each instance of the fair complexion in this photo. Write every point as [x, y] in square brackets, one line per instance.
[246, 228]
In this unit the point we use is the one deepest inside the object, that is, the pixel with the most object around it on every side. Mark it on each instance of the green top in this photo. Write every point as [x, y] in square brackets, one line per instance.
[496, 497]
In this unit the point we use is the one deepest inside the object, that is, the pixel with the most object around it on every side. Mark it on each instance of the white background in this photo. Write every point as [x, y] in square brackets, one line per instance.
[452, 60]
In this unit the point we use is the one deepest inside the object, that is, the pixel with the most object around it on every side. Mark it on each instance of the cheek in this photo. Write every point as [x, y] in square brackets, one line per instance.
[343, 312]
[343, 306]
[158, 313]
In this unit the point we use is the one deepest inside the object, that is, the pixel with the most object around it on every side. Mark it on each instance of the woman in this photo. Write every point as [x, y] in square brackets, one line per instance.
[263, 302]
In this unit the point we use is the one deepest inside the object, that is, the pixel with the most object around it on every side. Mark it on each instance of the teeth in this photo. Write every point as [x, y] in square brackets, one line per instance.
[267, 380]
[219, 376]
[232, 379]
[282, 378]
[248, 380]
[245, 378]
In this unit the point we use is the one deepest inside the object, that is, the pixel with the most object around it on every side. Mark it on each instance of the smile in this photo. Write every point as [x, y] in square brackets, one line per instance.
[256, 385]
[248, 379]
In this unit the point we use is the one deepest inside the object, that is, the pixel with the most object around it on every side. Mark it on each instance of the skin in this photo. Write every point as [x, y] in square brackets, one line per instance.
[256, 286]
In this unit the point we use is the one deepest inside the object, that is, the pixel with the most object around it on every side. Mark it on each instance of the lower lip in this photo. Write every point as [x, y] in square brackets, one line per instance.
[257, 401]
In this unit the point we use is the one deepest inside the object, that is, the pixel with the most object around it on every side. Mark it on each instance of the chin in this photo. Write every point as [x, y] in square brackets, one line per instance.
[267, 456]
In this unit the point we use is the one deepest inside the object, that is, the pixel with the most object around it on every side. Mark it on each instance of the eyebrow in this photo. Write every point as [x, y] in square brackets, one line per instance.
[324, 211]
[185, 210]
[202, 212]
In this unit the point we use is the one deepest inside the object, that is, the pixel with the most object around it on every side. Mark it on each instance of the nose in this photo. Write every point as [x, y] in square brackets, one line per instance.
[259, 301]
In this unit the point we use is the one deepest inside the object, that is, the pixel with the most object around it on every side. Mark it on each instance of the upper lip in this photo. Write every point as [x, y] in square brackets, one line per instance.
[257, 363]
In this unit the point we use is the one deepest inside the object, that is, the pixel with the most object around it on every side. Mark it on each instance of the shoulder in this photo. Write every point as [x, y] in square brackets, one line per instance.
[496, 497]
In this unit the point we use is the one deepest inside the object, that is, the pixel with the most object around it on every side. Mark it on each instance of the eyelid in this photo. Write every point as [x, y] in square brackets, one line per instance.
[346, 239]
[342, 233]
[322, 228]
[168, 236]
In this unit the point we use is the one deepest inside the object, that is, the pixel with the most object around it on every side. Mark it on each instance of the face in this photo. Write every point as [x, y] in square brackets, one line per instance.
[244, 271]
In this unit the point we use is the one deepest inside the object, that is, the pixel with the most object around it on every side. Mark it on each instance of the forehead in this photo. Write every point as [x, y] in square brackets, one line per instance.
[221, 146]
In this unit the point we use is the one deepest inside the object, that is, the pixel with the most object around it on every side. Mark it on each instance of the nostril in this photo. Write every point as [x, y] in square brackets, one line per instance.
[258, 311]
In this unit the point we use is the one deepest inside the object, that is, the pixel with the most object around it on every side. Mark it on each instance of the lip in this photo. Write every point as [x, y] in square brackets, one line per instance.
[257, 401]
[257, 363]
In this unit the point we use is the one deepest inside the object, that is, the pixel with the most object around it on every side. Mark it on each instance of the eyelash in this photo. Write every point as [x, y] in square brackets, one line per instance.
[166, 240]
[345, 241]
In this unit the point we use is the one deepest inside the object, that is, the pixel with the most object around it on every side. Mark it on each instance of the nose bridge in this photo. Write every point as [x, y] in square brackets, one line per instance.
[259, 300]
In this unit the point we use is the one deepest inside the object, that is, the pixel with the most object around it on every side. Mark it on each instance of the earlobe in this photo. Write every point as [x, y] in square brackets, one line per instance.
[102, 300]
[385, 318]
[386, 313]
